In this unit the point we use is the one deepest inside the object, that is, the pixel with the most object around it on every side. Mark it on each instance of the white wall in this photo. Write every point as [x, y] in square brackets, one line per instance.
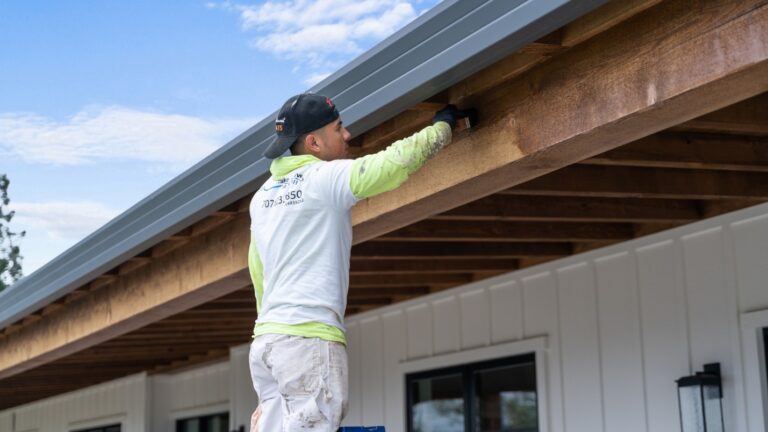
[120, 401]
[6, 421]
[621, 324]
[144, 403]
[197, 392]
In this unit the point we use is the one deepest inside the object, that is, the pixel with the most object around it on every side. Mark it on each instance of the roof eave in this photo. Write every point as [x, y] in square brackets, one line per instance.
[449, 43]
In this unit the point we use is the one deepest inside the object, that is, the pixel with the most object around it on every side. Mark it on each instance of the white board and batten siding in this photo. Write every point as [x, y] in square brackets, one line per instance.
[122, 401]
[145, 403]
[197, 392]
[620, 325]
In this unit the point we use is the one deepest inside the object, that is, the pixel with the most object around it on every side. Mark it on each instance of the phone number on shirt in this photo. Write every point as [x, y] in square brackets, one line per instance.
[288, 198]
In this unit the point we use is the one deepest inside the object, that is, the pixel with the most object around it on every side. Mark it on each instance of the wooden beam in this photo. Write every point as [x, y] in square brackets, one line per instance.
[572, 34]
[651, 228]
[387, 291]
[396, 127]
[193, 337]
[749, 117]
[134, 263]
[212, 264]
[624, 182]
[526, 58]
[369, 301]
[719, 152]
[184, 319]
[74, 296]
[359, 281]
[573, 209]
[222, 324]
[427, 106]
[52, 307]
[30, 319]
[103, 280]
[502, 231]
[184, 343]
[547, 45]
[169, 245]
[716, 208]
[435, 250]
[390, 266]
[184, 234]
[603, 18]
[586, 247]
[193, 321]
[531, 126]
[465, 92]
[211, 222]
[351, 310]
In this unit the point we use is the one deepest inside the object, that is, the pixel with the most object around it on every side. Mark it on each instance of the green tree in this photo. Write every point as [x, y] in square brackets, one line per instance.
[10, 255]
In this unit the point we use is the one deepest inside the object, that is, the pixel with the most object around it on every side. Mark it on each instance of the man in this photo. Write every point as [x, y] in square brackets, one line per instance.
[301, 236]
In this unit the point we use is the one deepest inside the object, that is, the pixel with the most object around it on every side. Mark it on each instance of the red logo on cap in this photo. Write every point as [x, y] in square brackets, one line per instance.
[328, 101]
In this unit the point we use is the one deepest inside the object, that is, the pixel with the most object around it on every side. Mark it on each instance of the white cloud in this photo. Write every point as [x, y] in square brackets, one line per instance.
[116, 133]
[316, 78]
[62, 220]
[321, 34]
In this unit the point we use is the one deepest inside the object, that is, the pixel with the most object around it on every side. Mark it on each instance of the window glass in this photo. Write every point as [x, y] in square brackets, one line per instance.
[492, 396]
[219, 423]
[209, 423]
[110, 428]
[765, 360]
[437, 404]
[505, 399]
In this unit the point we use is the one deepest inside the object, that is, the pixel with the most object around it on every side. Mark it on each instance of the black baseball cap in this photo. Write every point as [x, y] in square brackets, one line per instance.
[300, 114]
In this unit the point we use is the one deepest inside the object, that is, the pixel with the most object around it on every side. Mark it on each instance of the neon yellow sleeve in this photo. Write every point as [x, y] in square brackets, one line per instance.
[257, 273]
[383, 171]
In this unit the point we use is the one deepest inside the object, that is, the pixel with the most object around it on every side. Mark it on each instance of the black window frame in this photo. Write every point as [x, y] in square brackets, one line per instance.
[100, 428]
[764, 366]
[177, 422]
[467, 372]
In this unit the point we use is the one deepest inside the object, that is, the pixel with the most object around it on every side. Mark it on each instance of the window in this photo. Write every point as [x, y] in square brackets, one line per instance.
[209, 423]
[492, 396]
[110, 428]
[754, 328]
[765, 357]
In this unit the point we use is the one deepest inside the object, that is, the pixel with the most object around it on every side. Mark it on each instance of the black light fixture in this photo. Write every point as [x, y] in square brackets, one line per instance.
[700, 395]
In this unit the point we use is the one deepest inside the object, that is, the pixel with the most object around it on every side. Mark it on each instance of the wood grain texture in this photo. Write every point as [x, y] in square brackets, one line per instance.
[629, 82]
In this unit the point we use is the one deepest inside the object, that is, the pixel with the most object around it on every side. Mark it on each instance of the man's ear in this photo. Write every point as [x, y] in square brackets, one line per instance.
[311, 143]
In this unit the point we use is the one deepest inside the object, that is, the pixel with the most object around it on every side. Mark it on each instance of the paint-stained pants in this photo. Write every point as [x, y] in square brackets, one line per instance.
[301, 383]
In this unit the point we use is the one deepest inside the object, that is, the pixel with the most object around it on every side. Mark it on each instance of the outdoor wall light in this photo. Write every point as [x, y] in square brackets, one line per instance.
[700, 395]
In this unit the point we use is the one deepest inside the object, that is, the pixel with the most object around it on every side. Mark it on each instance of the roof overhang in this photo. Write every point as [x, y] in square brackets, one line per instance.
[606, 137]
[447, 44]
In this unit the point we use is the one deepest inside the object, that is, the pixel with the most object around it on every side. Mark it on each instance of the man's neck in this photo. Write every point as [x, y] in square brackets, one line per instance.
[284, 165]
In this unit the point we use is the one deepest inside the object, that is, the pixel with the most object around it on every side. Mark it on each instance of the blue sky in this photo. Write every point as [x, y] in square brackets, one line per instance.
[102, 102]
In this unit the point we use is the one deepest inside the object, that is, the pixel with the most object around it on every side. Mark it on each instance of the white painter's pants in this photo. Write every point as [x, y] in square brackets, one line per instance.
[301, 383]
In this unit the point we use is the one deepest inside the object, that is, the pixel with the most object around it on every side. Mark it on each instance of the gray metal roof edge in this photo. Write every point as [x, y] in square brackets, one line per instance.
[452, 41]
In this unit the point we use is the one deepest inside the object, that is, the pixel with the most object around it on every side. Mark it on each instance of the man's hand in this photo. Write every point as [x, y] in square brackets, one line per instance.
[450, 114]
